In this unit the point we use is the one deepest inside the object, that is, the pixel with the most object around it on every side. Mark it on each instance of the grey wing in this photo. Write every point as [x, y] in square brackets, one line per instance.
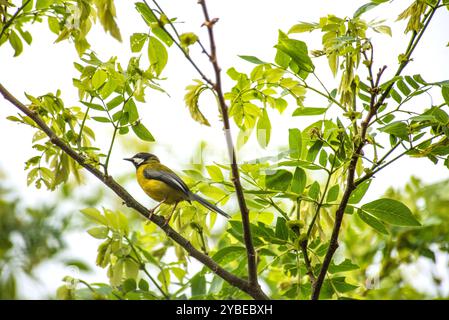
[169, 178]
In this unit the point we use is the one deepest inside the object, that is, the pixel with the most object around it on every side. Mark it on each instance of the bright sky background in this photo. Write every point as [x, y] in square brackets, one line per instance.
[247, 27]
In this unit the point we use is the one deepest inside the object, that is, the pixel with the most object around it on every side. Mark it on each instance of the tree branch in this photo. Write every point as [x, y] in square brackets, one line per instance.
[10, 21]
[252, 264]
[350, 181]
[186, 55]
[242, 284]
[307, 263]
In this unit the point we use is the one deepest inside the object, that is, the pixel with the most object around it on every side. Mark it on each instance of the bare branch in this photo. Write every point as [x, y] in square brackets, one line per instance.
[251, 253]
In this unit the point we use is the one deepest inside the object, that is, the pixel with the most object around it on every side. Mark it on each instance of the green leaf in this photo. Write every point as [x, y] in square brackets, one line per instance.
[95, 215]
[164, 278]
[191, 99]
[391, 211]
[398, 129]
[395, 95]
[332, 194]
[314, 190]
[281, 230]
[99, 78]
[366, 7]
[93, 106]
[252, 59]
[227, 252]
[115, 102]
[384, 30]
[157, 54]
[372, 222]
[313, 150]
[106, 13]
[279, 180]
[142, 132]
[152, 21]
[187, 39]
[298, 52]
[117, 116]
[295, 143]
[264, 129]
[358, 194]
[445, 93]
[418, 78]
[323, 158]
[412, 82]
[403, 87]
[215, 173]
[299, 163]
[41, 4]
[108, 88]
[26, 36]
[101, 119]
[299, 181]
[53, 25]
[303, 27]
[388, 118]
[340, 284]
[440, 115]
[129, 285]
[198, 285]
[137, 41]
[346, 265]
[179, 273]
[131, 270]
[143, 285]
[308, 111]
[98, 232]
[15, 43]
[131, 109]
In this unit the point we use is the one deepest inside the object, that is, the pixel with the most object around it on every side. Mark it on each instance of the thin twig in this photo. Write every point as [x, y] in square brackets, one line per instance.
[10, 21]
[381, 165]
[350, 183]
[187, 56]
[251, 253]
[307, 263]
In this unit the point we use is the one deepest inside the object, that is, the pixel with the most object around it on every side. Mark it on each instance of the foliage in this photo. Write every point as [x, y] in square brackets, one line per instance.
[297, 201]
[391, 256]
[29, 237]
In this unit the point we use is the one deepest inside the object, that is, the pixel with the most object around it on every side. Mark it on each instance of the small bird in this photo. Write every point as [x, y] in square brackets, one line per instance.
[163, 185]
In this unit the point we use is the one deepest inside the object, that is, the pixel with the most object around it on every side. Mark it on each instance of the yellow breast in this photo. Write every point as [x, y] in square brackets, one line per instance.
[158, 190]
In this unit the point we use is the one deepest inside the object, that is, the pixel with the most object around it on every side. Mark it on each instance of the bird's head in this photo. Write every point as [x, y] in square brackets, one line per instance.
[141, 158]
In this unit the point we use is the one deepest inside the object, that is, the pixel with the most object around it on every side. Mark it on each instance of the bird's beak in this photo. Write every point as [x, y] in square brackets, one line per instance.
[128, 159]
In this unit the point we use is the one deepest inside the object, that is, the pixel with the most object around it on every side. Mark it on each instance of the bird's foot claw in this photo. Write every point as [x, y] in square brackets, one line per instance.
[151, 212]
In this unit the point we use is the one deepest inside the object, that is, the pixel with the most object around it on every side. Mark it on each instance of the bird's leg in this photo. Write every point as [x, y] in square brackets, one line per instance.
[154, 209]
[167, 220]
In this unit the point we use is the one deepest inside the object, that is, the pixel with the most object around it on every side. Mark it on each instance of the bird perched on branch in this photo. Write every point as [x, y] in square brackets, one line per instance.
[163, 185]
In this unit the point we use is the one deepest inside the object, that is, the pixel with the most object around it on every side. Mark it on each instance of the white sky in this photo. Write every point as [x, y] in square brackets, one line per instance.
[247, 27]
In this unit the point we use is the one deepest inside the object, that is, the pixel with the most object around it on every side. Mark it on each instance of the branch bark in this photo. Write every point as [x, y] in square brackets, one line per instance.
[240, 283]
[251, 253]
[375, 104]
[11, 20]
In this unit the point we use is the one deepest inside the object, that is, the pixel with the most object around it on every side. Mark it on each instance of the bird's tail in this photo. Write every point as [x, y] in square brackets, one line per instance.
[209, 205]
